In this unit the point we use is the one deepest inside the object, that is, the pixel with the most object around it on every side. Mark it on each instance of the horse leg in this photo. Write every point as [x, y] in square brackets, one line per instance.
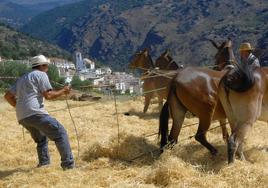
[160, 103]
[225, 134]
[231, 148]
[201, 135]
[178, 112]
[147, 102]
[235, 141]
[240, 152]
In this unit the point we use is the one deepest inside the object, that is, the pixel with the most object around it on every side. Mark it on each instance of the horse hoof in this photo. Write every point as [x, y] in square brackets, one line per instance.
[230, 161]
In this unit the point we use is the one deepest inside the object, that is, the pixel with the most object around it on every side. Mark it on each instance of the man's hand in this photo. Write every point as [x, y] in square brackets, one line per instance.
[67, 89]
[10, 98]
[52, 94]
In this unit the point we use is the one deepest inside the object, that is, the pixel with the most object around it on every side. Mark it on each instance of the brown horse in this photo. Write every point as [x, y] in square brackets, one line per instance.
[166, 62]
[156, 82]
[195, 90]
[222, 61]
[243, 94]
[142, 61]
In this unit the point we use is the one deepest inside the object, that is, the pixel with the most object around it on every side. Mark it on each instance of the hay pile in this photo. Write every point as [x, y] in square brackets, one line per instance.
[103, 161]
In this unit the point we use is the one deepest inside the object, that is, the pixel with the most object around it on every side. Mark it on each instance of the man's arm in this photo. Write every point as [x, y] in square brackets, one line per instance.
[10, 98]
[52, 94]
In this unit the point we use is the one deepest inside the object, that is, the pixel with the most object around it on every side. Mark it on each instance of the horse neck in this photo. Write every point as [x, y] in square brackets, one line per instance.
[221, 62]
[150, 63]
[164, 65]
[173, 66]
[264, 109]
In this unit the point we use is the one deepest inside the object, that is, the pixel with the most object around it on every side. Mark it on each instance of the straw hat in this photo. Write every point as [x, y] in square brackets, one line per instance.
[39, 60]
[246, 47]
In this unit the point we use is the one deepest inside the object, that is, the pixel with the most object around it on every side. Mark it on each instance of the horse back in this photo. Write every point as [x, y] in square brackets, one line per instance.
[197, 89]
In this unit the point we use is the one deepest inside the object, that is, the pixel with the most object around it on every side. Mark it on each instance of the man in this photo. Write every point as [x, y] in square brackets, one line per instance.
[27, 97]
[247, 56]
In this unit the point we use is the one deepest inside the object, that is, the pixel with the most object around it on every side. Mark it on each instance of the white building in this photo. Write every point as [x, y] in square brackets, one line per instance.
[102, 71]
[90, 63]
[80, 65]
[123, 82]
[98, 81]
[66, 68]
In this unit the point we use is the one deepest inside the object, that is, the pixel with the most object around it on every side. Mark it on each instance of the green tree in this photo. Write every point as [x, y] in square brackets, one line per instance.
[54, 76]
[11, 69]
[77, 83]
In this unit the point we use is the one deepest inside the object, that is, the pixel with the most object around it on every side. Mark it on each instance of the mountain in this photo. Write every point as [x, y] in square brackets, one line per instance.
[16, 13]
[111, 31]
[15, 45]
[31, 2]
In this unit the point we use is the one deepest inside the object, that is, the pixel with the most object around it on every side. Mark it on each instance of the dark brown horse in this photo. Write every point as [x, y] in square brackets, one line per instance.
[221, 61]
[195, 90]
[156, 82]
[142, 61]
[243, 94]
[166, 62]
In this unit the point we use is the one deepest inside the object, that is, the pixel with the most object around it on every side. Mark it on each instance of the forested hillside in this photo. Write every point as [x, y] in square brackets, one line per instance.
[112, 31]
[18, 12]
[15, 45]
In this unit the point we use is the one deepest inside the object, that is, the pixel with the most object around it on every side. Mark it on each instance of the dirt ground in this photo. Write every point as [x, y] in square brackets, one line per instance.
[103, 162]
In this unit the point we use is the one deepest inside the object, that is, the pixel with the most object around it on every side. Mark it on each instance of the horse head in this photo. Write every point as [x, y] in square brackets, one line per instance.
[142, 60]
[225, 55]
[166, 62]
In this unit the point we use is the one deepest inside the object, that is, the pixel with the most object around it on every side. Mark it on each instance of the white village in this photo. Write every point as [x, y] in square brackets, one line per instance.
[100, 77]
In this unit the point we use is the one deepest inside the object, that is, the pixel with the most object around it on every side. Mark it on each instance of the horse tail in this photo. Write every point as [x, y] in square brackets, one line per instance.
[163, 125]
[240, 78]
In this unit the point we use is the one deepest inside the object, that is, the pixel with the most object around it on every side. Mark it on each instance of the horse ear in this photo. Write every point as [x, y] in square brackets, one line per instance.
[214, 43]
[229, 41]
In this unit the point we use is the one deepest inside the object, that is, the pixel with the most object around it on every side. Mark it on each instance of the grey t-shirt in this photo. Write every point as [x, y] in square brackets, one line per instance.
[28, 91]
[253, 61]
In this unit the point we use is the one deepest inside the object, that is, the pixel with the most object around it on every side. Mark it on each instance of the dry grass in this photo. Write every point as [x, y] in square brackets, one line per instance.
[103, 161]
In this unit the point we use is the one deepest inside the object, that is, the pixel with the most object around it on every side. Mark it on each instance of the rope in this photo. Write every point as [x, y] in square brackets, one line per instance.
[76, 133]
[190, 137]
[96, 86]
[117, 121]
[169, 145]
[158, 74]
[8, 77]
[153, 90]
[189, 125]
[78, 106]
[163, 74]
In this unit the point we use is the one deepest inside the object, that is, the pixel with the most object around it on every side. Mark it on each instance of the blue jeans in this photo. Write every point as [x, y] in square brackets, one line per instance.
[42, 127]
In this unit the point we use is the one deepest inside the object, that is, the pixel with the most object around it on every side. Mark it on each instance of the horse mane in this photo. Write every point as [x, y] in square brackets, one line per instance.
[240, 78]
